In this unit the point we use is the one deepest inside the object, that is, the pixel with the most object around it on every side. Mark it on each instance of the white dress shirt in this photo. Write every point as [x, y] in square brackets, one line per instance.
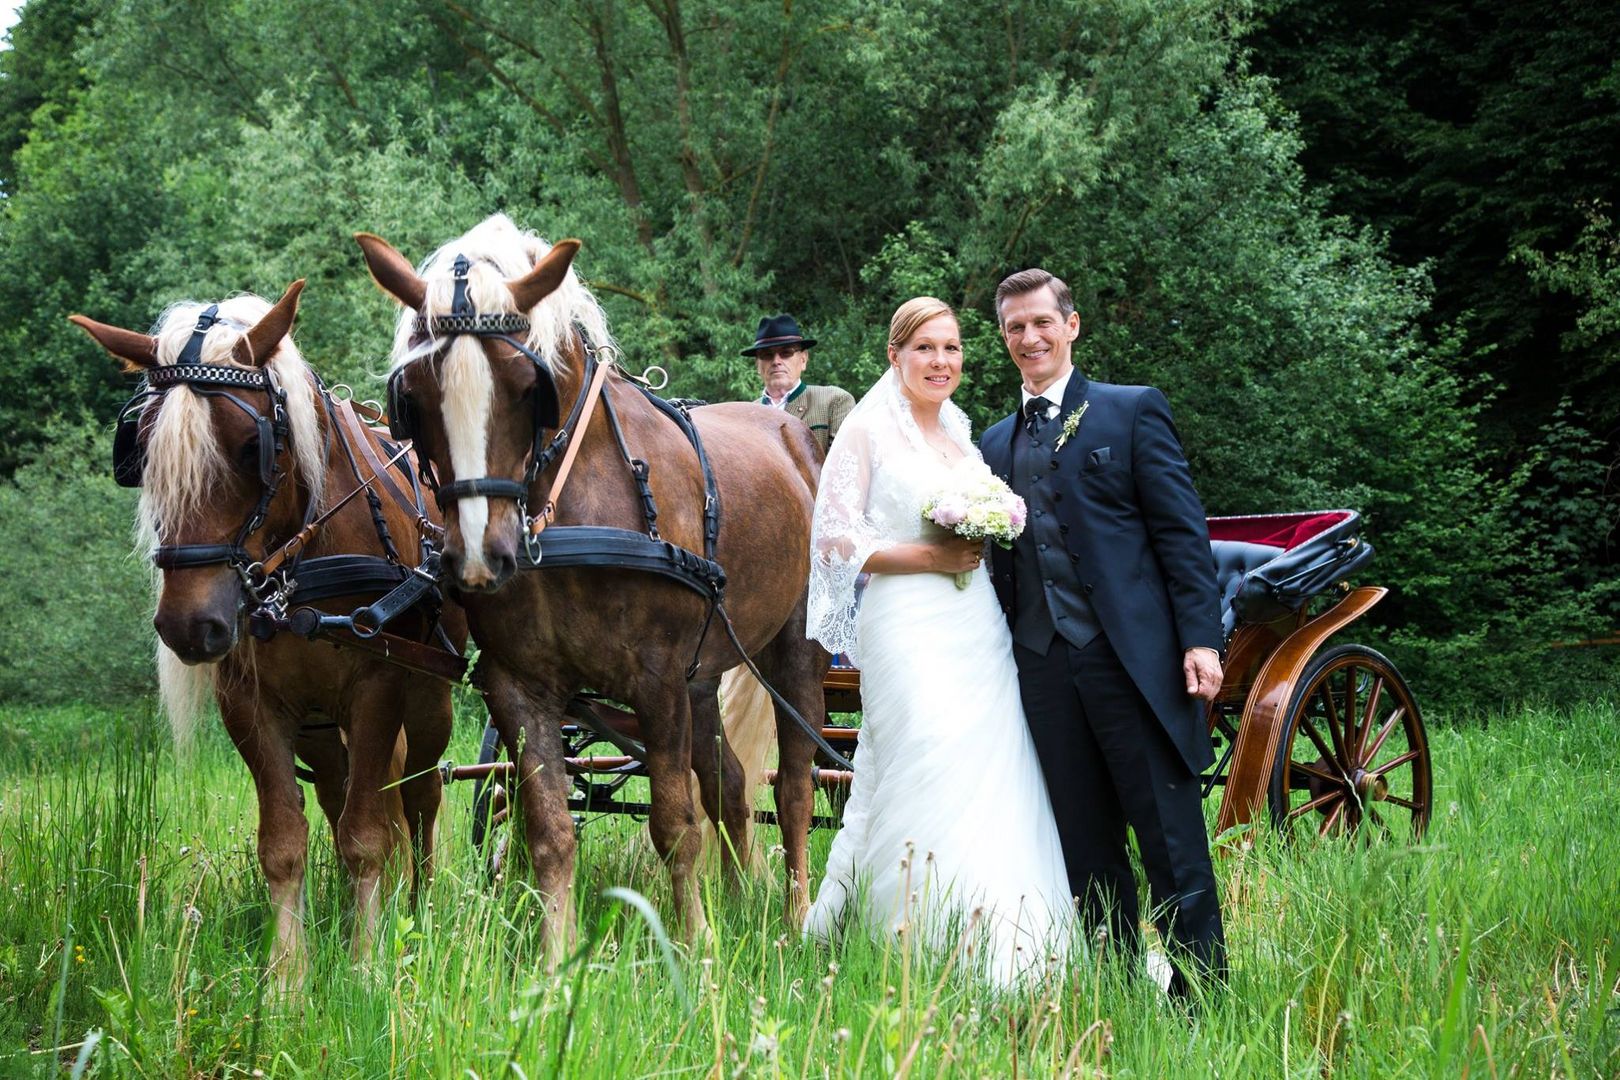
[1053, 393]
[766, 399]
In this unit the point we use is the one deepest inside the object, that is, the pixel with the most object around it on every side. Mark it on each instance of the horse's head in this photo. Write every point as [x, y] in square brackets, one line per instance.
[463, 389]
[213, 442]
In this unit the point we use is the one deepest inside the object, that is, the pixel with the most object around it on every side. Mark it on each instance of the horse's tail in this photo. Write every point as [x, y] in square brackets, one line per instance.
[806, 454]
[185, 690]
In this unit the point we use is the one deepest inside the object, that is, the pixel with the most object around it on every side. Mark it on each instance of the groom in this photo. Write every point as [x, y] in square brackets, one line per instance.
[1110, 593]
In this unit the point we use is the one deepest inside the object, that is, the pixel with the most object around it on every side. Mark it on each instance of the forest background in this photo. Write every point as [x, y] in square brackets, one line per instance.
[1367, 248]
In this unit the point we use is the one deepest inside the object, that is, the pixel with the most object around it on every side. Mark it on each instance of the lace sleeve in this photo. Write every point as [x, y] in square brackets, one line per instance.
[842, 538]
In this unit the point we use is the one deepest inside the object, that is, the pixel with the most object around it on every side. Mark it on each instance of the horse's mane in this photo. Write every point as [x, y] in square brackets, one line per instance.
[184, 465]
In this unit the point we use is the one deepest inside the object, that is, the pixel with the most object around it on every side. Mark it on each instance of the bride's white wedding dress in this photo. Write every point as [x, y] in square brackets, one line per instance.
[948, 813]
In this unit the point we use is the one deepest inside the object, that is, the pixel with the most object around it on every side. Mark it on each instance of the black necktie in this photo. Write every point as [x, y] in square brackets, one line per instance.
[1035, 411]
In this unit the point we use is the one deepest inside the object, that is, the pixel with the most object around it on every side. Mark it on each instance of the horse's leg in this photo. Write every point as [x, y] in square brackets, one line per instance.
[666, 731]
[372, 828]
[427, 734]
[266, 748]
[720, 778]
[527, 718]
[797, 668]
[322, 749]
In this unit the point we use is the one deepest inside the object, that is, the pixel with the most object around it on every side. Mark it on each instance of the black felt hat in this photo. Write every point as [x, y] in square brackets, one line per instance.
[776, 331]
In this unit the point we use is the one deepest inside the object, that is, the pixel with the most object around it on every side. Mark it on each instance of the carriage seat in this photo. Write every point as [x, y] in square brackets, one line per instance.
[1234, 561]
[1267, 565]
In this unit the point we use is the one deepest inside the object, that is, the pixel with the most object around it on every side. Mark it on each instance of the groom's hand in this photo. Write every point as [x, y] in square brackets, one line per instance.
[1202, 667]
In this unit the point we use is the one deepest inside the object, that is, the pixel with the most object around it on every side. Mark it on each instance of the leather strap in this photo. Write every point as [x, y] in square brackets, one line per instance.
[358, 435]
[548, 509]
[273, 561]
[423, 659]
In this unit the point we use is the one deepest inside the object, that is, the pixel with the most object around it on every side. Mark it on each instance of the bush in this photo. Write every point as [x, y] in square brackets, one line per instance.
[75, 612]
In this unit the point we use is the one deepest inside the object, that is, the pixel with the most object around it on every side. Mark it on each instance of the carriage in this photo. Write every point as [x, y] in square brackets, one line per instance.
[1307, 733]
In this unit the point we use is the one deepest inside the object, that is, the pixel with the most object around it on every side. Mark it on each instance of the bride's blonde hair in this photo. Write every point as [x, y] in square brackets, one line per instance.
[909, 316]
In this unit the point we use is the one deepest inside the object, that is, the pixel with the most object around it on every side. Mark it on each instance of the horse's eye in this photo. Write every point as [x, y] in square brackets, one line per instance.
[248, 455]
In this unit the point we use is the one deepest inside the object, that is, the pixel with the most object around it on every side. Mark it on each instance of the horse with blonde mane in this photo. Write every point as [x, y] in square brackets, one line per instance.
[480, 404]
[237, 445]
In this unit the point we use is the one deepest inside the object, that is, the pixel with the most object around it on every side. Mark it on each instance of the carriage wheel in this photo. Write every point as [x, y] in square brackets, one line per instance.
[1353, 751]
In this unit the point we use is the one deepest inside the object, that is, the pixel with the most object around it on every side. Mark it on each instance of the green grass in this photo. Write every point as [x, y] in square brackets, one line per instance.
[133, 914]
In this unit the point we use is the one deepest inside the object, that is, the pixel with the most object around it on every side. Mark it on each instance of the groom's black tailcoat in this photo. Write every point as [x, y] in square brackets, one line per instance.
[1128, 584]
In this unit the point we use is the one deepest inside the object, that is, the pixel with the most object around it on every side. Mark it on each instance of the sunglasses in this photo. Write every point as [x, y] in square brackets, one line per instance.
[787, 352]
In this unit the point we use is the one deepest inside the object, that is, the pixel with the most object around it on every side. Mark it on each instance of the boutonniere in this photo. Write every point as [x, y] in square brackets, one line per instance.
[1071, 423]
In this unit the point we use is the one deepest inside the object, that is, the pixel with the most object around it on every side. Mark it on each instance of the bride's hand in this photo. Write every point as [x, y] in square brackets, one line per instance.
[954, 555]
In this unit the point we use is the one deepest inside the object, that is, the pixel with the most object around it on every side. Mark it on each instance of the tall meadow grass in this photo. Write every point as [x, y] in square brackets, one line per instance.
[132, 943]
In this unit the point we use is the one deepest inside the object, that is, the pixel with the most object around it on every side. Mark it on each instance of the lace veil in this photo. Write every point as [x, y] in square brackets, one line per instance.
[850, 524]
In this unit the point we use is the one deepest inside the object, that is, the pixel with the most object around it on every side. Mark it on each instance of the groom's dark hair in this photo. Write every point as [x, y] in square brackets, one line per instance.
[1027, 281]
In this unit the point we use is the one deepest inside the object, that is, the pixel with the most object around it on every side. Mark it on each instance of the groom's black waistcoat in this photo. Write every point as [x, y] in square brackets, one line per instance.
[1133, 538]
[1049, 599]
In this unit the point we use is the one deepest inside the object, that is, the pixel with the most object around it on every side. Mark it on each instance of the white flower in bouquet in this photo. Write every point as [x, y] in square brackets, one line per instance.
[977, 506]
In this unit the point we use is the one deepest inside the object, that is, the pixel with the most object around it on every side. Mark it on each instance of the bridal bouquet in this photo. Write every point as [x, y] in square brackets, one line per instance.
[977, 506]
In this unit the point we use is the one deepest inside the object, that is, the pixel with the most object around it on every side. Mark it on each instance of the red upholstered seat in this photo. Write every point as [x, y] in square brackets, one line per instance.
[1284, 531]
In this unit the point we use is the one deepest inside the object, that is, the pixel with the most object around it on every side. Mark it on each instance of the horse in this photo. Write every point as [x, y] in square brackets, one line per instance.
[233, 459]
[478, 406]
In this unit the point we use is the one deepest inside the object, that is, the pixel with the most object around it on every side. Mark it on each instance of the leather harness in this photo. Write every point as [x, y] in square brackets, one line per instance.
[284, 585]
[547, 546]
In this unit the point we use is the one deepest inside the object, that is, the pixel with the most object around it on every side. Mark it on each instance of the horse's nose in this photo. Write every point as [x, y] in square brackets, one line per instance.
[473, 575]
[197, 639]
[502, 565]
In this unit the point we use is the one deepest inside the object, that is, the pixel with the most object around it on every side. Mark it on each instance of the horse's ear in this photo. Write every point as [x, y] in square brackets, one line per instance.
[135, 351]
[255, 347]
[391, 271]
[543, 280]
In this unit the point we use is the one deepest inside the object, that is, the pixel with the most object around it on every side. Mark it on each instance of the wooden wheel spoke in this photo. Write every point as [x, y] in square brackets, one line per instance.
[1367, 715]
[1331, 820]
[1349, 713]
[1338, 756]
[1416, 808]
[1312, 770]
[1319, 801]
[1383, 733]
[1396, 762]
[1316, 737]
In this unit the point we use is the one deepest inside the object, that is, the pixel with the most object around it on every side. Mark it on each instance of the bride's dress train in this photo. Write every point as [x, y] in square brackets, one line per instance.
[948, 814]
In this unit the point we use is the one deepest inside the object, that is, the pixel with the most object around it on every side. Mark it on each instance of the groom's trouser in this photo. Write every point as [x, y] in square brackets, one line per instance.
[1109, 763]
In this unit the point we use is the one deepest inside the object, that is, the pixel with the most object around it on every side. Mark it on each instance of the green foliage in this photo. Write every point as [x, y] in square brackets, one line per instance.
[75, 614]
[135, 908]
[833, 158]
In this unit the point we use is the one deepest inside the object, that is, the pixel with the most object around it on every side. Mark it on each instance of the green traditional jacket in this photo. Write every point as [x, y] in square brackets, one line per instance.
[822, 408]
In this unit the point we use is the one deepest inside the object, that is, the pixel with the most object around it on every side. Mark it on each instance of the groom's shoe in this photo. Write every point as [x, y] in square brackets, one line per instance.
[1194, 994]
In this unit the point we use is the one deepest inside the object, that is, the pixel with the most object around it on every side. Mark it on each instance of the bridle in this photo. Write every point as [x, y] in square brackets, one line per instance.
[212, 380]
[464, 321]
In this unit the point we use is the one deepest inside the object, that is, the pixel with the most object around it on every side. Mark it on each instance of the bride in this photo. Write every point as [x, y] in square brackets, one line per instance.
[948, 815]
